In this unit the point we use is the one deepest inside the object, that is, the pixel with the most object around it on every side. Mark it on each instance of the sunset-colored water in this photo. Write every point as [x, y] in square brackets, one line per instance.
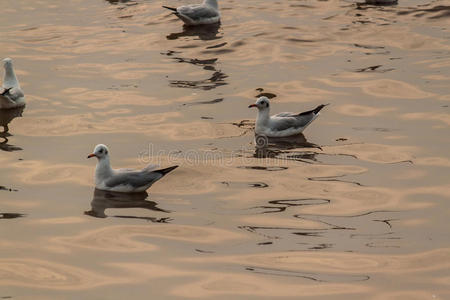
[357, 208]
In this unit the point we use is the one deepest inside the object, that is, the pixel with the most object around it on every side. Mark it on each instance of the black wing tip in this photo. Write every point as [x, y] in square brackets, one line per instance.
[6, 91]
[166, 170]
[170, 8]
[314, 111]
[319, 108]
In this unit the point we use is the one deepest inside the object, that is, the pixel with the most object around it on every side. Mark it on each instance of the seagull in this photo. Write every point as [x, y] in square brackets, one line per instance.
[123, 180]
[283, 124]
[198, 14]
[11, 95]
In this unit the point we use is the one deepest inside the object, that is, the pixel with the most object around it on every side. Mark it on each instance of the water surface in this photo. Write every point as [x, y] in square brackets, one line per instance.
[356, 208]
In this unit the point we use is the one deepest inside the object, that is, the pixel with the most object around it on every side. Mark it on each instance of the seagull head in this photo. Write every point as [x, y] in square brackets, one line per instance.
[100, 151]
[261, 104]
[7, 62]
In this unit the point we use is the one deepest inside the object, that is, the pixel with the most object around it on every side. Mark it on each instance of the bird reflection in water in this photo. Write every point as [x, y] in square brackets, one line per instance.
[270, 147]
[10, 215]
[203, 32]
[105, 199]
[213, 81]
[114, 2]
[6, 116]
[379, 2]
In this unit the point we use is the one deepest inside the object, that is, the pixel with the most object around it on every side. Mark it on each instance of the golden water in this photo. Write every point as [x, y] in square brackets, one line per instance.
[365, 216]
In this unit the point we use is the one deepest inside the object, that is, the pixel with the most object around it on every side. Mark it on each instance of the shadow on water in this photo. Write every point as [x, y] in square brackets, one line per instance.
[6, 116]
[287, 148]
[214, 101]
[379, 2]
[284, 143]
[105, 199]
[207, 63]
[3, 188]
[11, 215]
[429, 11]
[115, 2]
[217, 79]
[268, 147]
[203, 32]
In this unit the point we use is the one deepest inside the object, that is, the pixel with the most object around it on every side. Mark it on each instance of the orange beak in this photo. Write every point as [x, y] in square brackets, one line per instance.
[91, 155]
[252, 105]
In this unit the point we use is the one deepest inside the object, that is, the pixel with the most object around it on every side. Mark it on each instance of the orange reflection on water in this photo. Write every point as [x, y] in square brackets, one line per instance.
[234, 284]
[76, 124]
[124, 238]
[442, 117]
[377, 153]
[362, 110]
[333, 262]
[38, 172]
[382, 88]
[49, 275]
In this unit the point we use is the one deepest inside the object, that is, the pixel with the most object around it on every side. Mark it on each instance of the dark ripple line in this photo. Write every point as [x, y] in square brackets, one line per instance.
[333, 226]
[288, 203]
[216, 80]
[334, 178]
[3, 188]
[11, 215]
[310, 276]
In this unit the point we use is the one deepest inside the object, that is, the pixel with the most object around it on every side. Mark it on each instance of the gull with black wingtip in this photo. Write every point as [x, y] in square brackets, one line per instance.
[198, 14]
[123, 180]
[282, 124]
[11, 95]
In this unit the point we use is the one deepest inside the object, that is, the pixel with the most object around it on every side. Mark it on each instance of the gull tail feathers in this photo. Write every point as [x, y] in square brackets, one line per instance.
[5, 91]
[314, 111]
[319, 108]
[166, 170]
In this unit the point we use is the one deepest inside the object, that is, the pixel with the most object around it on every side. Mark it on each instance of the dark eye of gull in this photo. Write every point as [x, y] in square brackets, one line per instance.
[101, 151]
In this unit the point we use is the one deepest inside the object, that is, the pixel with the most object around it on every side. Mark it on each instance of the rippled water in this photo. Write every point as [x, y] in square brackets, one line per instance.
[355, 209]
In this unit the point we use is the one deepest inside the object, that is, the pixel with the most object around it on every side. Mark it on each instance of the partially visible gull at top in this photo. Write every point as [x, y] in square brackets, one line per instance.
[282, 124]
[11, 95]
[123, 180]
[198, 14]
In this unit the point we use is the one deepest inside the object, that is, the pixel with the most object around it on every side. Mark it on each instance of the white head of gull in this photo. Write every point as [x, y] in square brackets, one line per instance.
[198, 14]
[282, 124]
[11, 95]
[123, 180]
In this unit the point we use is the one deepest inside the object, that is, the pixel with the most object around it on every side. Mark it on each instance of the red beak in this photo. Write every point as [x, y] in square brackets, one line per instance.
[252, 105]
[91, 155]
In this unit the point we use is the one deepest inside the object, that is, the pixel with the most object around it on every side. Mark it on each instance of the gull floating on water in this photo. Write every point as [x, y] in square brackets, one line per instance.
[282, 124]
[11, 95]
[198, 14]
[123, 180]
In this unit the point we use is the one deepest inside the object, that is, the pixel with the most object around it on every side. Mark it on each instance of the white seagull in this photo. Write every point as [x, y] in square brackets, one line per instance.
[123, 180]
[198, 14]
[11, 95]
[282, 124]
